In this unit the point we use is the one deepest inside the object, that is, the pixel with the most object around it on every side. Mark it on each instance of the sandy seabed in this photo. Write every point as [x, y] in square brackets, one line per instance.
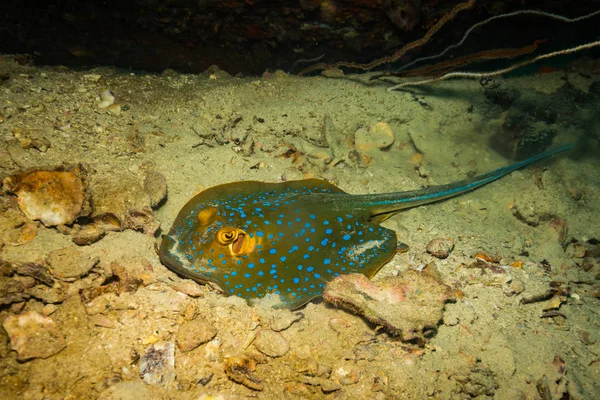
[524, 267]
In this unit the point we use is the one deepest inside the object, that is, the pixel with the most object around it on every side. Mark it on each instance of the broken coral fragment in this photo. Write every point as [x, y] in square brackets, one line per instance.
[33, 335]
[69, 263]
[409, 305]
[121, 201]
[55, 197]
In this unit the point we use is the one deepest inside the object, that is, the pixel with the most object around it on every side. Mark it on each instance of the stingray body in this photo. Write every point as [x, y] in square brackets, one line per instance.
[289, 239]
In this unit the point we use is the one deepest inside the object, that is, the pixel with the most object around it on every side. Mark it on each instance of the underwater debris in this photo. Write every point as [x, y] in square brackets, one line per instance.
[60, 196]
[189, 287]
[87, 234]
[556, 289]
[18, 282]
[347, 374]
[126, 276]
[13, 290]
[481, 381]
[106, 99]
[54, 196]
[121, 201]
[378, 136]
[29, 138]
[551, 300]
[157, 365]
[33, 335]
[440, 247]
[68, 264]
[409, 305]
[194, 333]
[271, 343]
[554, 384]
[240, 370]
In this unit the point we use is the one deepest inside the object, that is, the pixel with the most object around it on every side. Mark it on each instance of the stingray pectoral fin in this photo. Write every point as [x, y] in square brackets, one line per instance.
[171, 257]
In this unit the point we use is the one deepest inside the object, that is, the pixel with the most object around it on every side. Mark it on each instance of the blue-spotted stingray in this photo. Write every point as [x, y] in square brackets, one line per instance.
[289, 239]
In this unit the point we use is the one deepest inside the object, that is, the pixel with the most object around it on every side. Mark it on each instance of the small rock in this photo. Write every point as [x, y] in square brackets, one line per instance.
[155, 185]
[330, 386]
[379, 136]
[69, 263]
[114, 109]
[409, 305]
[49, 309]
[194, 333]
[92, 77]
[38, 272]
[332, 73]
[106, 99]
[303, 352]
[271, 343]
[514, 287]
[102, 321]
[440, 247]
[120, 200]
[339, 324]
[204, 376]
[283, 319]
[575, 250]
[346, 375]
[157, 365]
[240, 369]
[12, 291]
[87, 234]
[189, 287]
[56, 294]
[33, 335]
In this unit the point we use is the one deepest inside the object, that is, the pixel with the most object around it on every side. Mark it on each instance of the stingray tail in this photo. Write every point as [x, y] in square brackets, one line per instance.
[392, 202]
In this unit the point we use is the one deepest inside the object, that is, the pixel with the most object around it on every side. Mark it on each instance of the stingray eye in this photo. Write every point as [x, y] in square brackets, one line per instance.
[227, 235]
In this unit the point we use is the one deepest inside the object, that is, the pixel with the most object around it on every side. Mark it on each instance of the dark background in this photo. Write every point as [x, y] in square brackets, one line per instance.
[251, 36]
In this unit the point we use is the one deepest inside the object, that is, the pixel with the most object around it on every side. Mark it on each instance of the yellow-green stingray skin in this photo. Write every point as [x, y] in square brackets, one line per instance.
[289, 239]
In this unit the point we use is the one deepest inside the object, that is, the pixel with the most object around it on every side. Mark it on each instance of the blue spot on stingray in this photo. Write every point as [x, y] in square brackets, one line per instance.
[272, 251]
[346, 237]
[250, 265]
